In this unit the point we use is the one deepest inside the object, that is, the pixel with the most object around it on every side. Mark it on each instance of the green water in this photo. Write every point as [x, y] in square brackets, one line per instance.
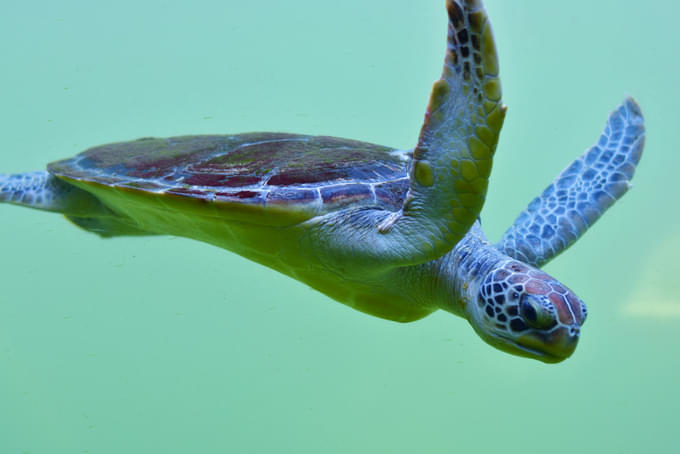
[165, 345]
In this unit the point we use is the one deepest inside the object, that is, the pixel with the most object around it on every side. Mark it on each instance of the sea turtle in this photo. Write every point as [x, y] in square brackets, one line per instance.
[391, 233]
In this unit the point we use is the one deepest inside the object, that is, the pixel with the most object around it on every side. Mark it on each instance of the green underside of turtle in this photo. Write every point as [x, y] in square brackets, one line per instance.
[248, 193]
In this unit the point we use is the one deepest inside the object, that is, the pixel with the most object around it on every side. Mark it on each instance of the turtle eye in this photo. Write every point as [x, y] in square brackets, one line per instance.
[536, 314]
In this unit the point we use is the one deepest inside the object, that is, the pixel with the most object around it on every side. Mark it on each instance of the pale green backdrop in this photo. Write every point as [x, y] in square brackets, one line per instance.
[164, 345]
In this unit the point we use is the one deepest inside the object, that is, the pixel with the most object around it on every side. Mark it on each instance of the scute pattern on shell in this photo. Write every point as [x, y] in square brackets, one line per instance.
[323, 173]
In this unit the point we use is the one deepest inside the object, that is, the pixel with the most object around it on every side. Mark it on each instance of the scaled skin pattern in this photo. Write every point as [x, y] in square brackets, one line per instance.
[395, 234]
[581, 193]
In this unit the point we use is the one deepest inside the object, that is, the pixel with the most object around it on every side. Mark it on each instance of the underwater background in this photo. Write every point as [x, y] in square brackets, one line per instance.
[159, 344]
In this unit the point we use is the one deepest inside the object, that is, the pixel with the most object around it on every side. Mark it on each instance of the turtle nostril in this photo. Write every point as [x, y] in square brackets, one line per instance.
[574, 331]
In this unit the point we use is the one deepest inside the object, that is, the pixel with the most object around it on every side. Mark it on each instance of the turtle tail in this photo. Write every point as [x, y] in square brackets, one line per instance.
[43, 191]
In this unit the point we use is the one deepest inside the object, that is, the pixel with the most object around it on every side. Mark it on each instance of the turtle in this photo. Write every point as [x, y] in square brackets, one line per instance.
[393, 233]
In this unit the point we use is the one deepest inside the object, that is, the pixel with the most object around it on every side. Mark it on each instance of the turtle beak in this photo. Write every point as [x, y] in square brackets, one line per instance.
[551, 347]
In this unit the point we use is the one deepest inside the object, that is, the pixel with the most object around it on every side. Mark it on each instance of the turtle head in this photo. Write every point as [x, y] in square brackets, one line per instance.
[524, 311]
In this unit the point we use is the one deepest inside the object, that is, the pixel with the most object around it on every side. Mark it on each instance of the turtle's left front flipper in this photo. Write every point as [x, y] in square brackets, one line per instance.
[581, 194]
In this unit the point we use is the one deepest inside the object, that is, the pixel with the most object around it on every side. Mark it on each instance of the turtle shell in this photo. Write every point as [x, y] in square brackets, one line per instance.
[268, 172]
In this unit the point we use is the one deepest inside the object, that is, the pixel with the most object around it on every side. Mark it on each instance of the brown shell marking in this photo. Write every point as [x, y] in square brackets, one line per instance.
[278, 169]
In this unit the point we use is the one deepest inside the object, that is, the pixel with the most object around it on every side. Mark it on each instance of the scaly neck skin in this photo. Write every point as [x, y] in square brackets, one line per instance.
[450, 282]
[511, 305]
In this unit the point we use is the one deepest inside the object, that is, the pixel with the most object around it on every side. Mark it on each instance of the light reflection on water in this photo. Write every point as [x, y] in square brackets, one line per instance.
[658, 288]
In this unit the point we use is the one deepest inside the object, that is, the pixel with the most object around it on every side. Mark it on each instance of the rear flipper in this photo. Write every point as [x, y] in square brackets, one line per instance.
[578, 197]
[43, 191]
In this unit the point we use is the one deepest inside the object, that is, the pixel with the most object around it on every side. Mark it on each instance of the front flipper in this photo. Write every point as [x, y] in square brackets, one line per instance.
[451, 162]
[583, 191]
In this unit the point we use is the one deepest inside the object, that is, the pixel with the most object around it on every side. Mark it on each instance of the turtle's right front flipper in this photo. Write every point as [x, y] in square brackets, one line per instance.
[451, 162]
[43, 191]
[579, 195]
